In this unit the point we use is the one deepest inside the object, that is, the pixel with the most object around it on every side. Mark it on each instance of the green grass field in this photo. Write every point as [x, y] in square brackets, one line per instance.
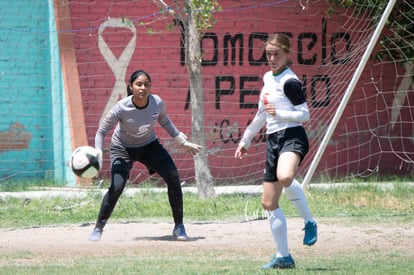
[383, 216]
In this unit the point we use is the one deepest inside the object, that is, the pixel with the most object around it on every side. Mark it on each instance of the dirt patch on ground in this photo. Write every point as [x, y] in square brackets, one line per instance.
[250, 238]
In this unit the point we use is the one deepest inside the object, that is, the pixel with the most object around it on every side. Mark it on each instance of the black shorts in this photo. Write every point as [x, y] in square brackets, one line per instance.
[153, 155]
[292, 139]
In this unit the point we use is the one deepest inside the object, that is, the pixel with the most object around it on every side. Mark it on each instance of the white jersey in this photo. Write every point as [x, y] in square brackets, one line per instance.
[134, 126]
[284, 92]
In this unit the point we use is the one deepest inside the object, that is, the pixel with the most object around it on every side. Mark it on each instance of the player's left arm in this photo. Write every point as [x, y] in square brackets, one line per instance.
[165, 121]
[179, 137]
[293, 90]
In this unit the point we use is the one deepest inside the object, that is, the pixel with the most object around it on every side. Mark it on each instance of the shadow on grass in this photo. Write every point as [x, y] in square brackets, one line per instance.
[167, 238]
[327, 269]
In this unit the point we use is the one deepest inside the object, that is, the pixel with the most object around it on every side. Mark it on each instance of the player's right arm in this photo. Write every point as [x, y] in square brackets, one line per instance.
[254, 127]
[110, 120]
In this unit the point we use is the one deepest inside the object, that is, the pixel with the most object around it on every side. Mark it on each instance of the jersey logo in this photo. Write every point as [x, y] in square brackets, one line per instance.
[142, 130]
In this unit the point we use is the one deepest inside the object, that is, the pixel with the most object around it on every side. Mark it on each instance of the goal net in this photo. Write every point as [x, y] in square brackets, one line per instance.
[60, 76]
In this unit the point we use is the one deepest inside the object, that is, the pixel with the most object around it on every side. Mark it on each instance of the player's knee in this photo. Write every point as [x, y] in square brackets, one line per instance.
[269, 205]
[285, 180]
[172, 178]
[120, 174]
[120, 166]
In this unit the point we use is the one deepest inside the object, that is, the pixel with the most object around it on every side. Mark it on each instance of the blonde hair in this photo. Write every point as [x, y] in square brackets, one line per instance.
[280, 40]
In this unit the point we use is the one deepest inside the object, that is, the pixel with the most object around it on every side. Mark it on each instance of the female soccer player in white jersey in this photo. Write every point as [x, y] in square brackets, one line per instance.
[282, 107]
[134, 139]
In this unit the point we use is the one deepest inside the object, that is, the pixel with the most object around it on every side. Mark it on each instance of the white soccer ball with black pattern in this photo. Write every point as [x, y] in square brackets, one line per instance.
[86, 161]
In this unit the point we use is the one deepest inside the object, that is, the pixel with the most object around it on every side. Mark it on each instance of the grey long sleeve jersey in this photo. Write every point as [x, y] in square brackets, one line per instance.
[135, 127]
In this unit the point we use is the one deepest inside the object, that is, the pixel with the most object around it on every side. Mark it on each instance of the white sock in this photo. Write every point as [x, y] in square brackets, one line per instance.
[277, 221]
[296, 195]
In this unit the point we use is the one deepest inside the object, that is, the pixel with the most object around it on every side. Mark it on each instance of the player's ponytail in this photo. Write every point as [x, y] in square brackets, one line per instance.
[129, 90]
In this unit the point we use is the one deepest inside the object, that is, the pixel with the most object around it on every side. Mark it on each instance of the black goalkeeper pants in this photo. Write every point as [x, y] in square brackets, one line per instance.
[157, 160]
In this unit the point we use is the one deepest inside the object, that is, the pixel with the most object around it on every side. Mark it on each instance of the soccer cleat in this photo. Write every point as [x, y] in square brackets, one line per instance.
[179, 233]
[280, 263]
[95, 235]
[311, 233]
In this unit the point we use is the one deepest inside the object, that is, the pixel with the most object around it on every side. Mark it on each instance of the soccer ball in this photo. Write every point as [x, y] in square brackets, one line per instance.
[86, 162]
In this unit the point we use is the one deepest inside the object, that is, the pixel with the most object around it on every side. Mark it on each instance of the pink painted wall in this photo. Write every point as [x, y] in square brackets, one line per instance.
[319, 54]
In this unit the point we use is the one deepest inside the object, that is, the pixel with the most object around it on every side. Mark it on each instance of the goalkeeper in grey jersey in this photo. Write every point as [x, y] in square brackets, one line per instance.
[134, 139]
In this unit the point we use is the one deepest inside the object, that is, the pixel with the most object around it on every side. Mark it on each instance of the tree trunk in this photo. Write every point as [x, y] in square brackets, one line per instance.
[203, 176]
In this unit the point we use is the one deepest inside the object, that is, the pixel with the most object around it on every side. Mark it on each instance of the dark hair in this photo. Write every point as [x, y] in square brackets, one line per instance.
[134, 76]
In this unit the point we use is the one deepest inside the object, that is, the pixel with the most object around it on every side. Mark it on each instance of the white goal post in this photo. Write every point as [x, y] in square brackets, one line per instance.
[348, 93]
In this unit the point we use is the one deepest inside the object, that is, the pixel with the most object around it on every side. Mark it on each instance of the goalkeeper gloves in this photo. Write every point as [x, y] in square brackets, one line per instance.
[190, 147]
